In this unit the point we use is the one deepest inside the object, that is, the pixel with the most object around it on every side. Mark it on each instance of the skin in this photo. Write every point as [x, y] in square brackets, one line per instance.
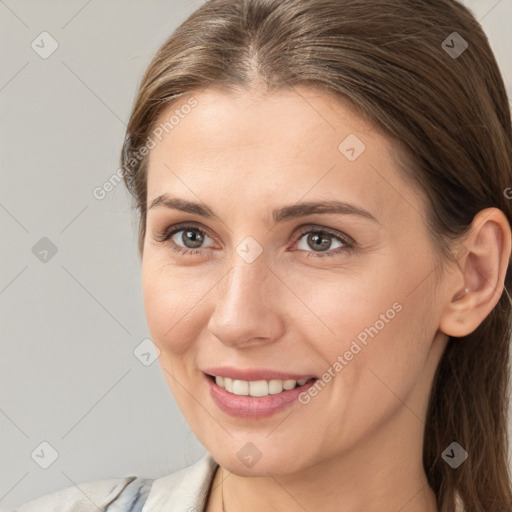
[357, 445]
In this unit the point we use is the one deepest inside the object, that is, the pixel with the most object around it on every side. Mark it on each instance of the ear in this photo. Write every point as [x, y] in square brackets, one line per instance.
[482, 266]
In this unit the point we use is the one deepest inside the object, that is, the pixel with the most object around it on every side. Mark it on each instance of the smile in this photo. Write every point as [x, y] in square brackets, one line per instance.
[257, 387]
[233, 396]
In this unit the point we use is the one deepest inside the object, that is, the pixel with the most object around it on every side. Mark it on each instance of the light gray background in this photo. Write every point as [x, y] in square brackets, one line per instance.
[70, 325]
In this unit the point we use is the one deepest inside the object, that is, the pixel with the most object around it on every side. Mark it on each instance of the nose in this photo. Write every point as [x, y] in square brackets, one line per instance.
[247, 310]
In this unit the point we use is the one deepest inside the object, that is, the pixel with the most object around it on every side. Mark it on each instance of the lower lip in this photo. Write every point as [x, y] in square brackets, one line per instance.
[254, 406]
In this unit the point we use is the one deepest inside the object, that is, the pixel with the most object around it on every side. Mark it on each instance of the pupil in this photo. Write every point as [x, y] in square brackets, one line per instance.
[194, 238]
[315, 237]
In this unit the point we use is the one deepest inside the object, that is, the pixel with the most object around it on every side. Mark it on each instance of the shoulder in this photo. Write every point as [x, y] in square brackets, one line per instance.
[186, 489]
[115, 495]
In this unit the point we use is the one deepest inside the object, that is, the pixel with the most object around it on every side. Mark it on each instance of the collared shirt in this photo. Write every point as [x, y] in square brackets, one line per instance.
[182, 491]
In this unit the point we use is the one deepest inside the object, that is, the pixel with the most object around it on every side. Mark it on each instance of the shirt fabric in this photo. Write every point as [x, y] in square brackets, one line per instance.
[185, 490]
[182, 491]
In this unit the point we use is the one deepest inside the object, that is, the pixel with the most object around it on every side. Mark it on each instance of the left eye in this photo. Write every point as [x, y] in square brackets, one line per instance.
[321, 240]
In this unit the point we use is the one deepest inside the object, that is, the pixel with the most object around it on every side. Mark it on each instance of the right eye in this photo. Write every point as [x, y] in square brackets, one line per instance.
[189, 234]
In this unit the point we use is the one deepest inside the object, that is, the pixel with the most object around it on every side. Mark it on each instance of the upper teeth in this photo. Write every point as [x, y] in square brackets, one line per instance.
[257, 387]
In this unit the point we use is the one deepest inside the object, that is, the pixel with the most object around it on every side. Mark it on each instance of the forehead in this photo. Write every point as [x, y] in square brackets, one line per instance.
[292, 144]
[288, 118]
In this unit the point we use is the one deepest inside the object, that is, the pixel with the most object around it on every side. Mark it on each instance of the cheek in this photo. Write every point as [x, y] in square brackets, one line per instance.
[173, 299]
[172, 308]
[381, 327]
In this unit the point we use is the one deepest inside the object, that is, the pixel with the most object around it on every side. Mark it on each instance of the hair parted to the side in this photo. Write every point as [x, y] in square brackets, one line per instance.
[450, 118]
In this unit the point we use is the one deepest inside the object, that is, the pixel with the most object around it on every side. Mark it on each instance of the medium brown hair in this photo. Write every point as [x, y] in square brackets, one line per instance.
[450, 118]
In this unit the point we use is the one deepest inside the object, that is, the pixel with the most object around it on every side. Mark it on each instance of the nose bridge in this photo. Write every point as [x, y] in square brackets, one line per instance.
[245, 307]
[248, 273]
[245, 284]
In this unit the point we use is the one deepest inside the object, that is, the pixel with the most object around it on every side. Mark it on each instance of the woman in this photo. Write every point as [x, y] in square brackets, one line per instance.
[323, 189]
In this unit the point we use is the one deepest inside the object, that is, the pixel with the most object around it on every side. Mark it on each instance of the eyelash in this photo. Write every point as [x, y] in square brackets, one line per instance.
[167, 233]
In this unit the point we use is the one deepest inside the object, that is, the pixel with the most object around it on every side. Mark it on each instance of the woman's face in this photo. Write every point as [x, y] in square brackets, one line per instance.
[260, 290]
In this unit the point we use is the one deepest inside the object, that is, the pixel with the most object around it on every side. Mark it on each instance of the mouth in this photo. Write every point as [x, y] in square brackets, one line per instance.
[255, 399]
[257, 388]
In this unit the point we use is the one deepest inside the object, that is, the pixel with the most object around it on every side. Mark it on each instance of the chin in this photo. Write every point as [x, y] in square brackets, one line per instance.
[271, 461]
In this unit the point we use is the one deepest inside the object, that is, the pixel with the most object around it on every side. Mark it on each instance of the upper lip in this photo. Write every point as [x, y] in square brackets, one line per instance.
[252, 374]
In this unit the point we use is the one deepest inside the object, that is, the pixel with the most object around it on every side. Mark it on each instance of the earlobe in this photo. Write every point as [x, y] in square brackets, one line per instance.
[482, 269]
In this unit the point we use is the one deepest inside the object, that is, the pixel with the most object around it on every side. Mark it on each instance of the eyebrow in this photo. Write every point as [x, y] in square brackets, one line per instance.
[279, 215]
